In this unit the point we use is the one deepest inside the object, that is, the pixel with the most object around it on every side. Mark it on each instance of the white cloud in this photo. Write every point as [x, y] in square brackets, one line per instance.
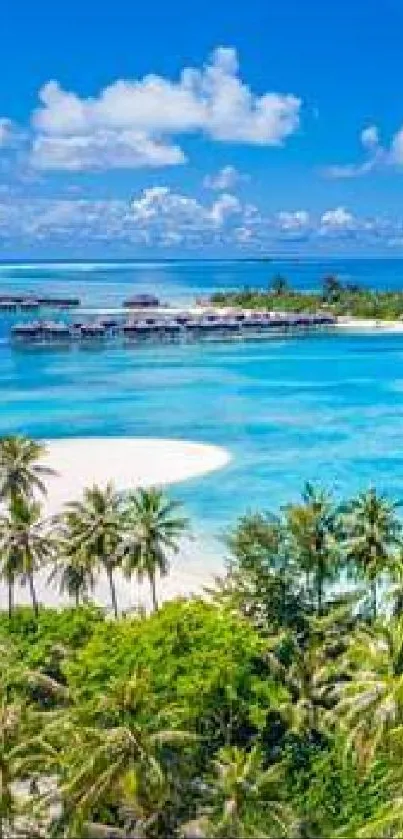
[159, 218]
[293, 221]
[338, 219]
[132, 123]
[6, 131]
[224, 207]
[170, 218]
[341, 224]
[375, 156]
[103, 150]
[370, 137]
[226, 178]
[396, 150]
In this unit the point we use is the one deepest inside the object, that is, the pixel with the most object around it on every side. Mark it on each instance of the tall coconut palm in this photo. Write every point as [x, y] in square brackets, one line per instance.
[246, 799]
[74, 573]
[21, 470]
[313, 529]
[371, 536]
[8, 572]
[153, 529]
[370, 704]
[92, 528]
[25, 544]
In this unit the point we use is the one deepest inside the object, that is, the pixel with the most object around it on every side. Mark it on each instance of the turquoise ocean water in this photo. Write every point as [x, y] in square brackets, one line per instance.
[326, 408]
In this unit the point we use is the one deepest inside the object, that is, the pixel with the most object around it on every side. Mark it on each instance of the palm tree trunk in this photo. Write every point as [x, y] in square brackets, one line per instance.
[112, 588]
[320, 593]
[374, 594]
[77, 599]
[35, 605]
[153, 592]
[10, 585]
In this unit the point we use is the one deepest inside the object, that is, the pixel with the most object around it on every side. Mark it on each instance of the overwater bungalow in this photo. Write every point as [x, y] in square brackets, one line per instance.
[41, 331]
[54, 331]
[172, 327]
[59, 302]
[92, 330]
[167, 327]
[29, 305]
[141, 301]
[30, 302]
[9, 305]
[11, 298]
[26, 332]
[183, 318]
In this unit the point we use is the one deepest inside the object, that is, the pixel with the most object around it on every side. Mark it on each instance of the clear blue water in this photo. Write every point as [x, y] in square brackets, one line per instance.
[109, 283]
[326, 408]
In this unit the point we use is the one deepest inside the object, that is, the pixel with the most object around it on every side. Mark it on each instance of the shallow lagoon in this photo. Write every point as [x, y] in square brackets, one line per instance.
[326, 408]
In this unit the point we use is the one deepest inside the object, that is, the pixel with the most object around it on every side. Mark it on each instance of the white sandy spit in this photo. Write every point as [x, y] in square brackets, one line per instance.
[131, 463]
[350, 324]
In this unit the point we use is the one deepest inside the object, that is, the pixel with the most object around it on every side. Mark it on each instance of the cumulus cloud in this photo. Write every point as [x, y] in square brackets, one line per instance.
[133, 122]
[375, 155]
[29, 221]
[337, 219]
[159, 218]
[396, 151]
[295, 220]
[370, 137]
[103, 150]
[226, 178]
[7, 131]
[170, 217]
[225, 207]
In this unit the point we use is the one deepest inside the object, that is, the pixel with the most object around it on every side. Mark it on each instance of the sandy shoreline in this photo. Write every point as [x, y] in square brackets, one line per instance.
[350, 324]
[127, 462]
[130, 463]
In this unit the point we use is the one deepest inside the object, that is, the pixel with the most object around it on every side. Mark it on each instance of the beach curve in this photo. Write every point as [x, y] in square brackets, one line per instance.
[129, 463]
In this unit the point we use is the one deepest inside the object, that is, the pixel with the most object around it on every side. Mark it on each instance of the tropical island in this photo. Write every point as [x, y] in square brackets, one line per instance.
[335, 297]
[270, 705]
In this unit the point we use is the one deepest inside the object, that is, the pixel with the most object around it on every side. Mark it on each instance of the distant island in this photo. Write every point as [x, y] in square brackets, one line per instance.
[341, 299]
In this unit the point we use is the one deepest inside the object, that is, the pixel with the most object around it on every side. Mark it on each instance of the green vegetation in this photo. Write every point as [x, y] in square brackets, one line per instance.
[272, 706]
[335, 296]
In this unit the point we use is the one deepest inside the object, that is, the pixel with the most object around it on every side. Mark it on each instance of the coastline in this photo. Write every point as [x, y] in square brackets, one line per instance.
[370, 325]
[130, 463]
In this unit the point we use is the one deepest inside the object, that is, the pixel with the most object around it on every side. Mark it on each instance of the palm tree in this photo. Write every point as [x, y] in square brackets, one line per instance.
[371, 534]
[24, 544]
[92, 528]
[12, 711]
[371, 703]
[245, 797]
[23, 746]
[279, 285]
[115, 759]
[8, 572]
[75, 574]
[153, 529]
[21, 472]
[313, 529]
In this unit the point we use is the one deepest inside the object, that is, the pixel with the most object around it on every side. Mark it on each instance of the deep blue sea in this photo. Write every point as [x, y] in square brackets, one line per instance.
[326, 408]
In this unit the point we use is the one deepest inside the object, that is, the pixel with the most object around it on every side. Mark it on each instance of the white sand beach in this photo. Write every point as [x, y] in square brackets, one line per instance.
[128, 463]
[351, 324]
[131, 463]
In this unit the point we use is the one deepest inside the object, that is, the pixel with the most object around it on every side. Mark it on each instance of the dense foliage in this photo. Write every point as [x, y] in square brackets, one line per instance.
[335, 296]
[272, 706]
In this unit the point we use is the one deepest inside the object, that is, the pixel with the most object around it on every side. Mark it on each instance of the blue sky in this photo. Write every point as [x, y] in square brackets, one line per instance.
[228, 128]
